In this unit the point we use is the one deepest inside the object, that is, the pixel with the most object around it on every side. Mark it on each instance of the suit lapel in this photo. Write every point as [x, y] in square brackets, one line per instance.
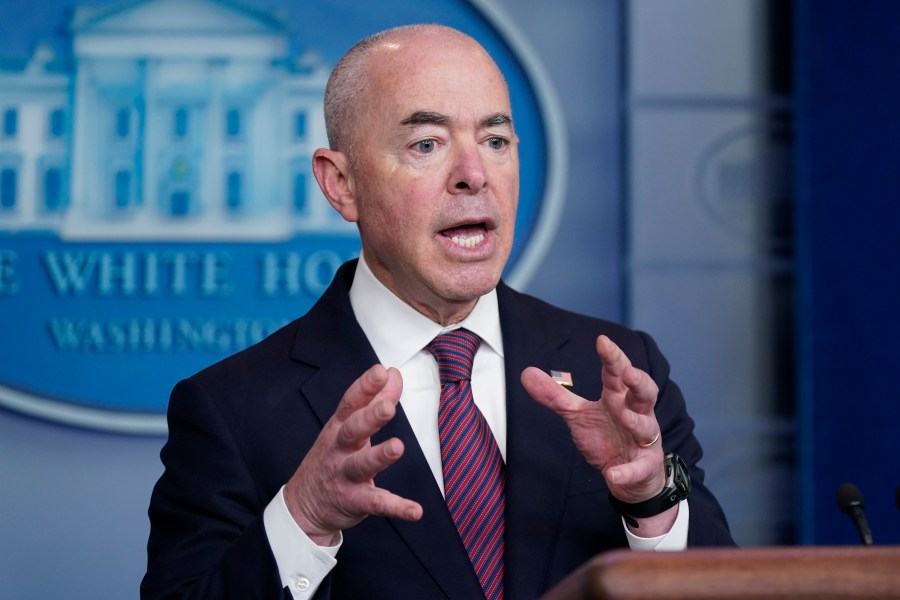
[539, 451]
[330, 340]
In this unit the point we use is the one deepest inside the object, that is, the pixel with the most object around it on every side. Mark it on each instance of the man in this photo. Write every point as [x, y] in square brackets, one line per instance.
[298, 468]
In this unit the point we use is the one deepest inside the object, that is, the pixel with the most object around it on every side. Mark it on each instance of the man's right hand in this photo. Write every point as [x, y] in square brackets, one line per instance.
[333, 488]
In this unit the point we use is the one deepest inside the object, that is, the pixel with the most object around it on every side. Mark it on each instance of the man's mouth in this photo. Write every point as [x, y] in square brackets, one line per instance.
[470, 242]
[466, 236]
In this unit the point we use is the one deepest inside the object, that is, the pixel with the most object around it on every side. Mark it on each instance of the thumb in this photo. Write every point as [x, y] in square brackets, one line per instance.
[547, 392]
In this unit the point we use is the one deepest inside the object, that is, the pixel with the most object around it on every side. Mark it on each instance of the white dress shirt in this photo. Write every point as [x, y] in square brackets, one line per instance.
[399, 334]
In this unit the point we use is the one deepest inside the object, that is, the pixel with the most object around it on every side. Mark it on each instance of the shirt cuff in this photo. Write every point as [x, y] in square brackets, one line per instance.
[676, 539]
[302, 564]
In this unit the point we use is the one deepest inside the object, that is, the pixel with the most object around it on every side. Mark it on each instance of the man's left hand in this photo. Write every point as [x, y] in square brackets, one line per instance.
[615, 432]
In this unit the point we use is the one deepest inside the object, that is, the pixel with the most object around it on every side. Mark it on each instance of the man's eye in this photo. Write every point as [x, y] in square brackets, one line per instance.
[425, 146]
[496, 143]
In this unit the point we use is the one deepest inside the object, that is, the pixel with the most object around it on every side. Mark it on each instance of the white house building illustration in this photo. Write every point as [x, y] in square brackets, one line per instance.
[173, 120]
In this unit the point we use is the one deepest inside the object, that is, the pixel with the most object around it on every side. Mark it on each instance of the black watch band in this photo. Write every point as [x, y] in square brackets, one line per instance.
[678, 486]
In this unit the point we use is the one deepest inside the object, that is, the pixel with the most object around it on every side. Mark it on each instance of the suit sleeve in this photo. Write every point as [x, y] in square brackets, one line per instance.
[707, 526]
[207, 537]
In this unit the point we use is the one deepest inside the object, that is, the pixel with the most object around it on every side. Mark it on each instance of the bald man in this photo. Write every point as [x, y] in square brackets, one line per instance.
[312, 465]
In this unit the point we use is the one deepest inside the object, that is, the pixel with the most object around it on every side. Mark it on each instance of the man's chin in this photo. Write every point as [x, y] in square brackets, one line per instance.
[470, 287]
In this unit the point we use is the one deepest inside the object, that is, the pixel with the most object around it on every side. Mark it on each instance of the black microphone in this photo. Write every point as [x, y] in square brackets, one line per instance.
[850, 500]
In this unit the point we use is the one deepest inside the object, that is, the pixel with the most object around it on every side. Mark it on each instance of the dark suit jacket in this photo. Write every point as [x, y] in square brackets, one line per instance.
[239, 429]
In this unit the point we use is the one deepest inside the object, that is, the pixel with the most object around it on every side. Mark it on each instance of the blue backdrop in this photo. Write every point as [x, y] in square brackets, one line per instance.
[848, 90]
[73, 506]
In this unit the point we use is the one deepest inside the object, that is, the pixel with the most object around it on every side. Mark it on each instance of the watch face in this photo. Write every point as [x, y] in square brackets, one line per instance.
[680, 477]
[678, 486]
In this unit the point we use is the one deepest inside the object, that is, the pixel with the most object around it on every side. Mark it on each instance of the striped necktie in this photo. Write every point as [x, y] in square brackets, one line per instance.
[474, 474]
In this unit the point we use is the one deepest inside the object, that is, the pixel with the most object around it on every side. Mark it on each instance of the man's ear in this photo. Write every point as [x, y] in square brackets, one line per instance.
[332, 171]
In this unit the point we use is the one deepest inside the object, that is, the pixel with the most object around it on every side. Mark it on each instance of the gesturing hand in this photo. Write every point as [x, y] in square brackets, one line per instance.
[333, 488]
[613, 433]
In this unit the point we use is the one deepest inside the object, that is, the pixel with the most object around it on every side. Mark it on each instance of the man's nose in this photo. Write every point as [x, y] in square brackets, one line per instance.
[467, 175]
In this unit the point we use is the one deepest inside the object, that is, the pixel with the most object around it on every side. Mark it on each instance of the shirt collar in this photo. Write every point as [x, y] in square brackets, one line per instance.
[397, 331]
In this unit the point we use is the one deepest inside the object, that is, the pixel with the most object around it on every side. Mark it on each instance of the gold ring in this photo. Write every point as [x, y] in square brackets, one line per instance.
[651, 442]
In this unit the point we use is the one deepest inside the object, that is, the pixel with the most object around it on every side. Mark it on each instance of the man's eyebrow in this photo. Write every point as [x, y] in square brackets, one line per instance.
[496, 119]
[424, 117]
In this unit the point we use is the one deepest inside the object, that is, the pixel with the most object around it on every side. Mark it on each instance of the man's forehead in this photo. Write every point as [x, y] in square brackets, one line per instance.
[410, 57]
[454, 85]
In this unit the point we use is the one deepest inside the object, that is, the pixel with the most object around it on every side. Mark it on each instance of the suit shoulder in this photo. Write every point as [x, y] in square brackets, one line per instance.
[548, 316]
[265, 356]
[550, 322]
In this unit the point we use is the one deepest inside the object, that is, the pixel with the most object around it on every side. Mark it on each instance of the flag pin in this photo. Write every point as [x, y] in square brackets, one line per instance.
[561, 377]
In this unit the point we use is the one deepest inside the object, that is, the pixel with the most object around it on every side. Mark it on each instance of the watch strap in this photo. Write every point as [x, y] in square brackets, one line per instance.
[677, 488]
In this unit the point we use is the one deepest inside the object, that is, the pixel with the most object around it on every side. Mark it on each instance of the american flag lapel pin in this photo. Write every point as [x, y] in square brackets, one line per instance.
[561, 377]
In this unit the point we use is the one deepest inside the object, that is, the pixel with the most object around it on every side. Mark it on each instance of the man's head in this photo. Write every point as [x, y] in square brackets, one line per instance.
[423, 158]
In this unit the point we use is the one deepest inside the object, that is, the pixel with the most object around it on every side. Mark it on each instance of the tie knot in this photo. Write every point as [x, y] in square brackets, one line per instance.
[454, 352]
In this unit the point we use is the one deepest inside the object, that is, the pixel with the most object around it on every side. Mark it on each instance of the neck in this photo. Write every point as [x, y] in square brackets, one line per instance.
[445, 315]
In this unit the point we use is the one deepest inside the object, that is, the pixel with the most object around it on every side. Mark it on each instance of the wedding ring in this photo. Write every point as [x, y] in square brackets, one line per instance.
[651, 442]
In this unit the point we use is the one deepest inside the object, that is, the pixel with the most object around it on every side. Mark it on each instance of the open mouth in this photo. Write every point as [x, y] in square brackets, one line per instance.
[470, 242]
[467, 236]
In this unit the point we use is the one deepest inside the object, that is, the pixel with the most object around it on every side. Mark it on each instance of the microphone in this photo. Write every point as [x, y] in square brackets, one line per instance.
[850, 501]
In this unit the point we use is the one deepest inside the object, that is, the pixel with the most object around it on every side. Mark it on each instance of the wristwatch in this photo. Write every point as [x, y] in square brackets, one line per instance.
[678, 486]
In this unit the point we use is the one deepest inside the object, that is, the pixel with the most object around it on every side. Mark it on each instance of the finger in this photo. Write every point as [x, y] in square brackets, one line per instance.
[547, 392]
[364, 465]
[633, 473]
[356, 431]
[611, 355]
[362, 424]
[374, 382]
[644, 429]
[361, 391]
[385, 504]
[642, 390]
[615, 362]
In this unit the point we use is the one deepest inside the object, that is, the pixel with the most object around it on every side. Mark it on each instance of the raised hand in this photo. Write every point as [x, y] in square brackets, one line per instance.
[333, 488]
[618, 434]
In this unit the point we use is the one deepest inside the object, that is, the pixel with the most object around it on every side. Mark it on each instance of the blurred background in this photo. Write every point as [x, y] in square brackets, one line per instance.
[719, 173]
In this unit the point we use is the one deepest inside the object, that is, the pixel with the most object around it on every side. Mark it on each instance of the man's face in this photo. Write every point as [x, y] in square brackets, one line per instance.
[436, 175]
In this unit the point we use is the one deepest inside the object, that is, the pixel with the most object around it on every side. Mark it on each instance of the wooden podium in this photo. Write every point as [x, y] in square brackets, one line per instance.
[796, 573]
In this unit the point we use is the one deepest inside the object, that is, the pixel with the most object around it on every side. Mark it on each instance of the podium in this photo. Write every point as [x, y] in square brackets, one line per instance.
[795, 573]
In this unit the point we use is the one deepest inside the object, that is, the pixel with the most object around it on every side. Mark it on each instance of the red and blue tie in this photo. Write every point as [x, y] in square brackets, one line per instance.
[474, 474]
